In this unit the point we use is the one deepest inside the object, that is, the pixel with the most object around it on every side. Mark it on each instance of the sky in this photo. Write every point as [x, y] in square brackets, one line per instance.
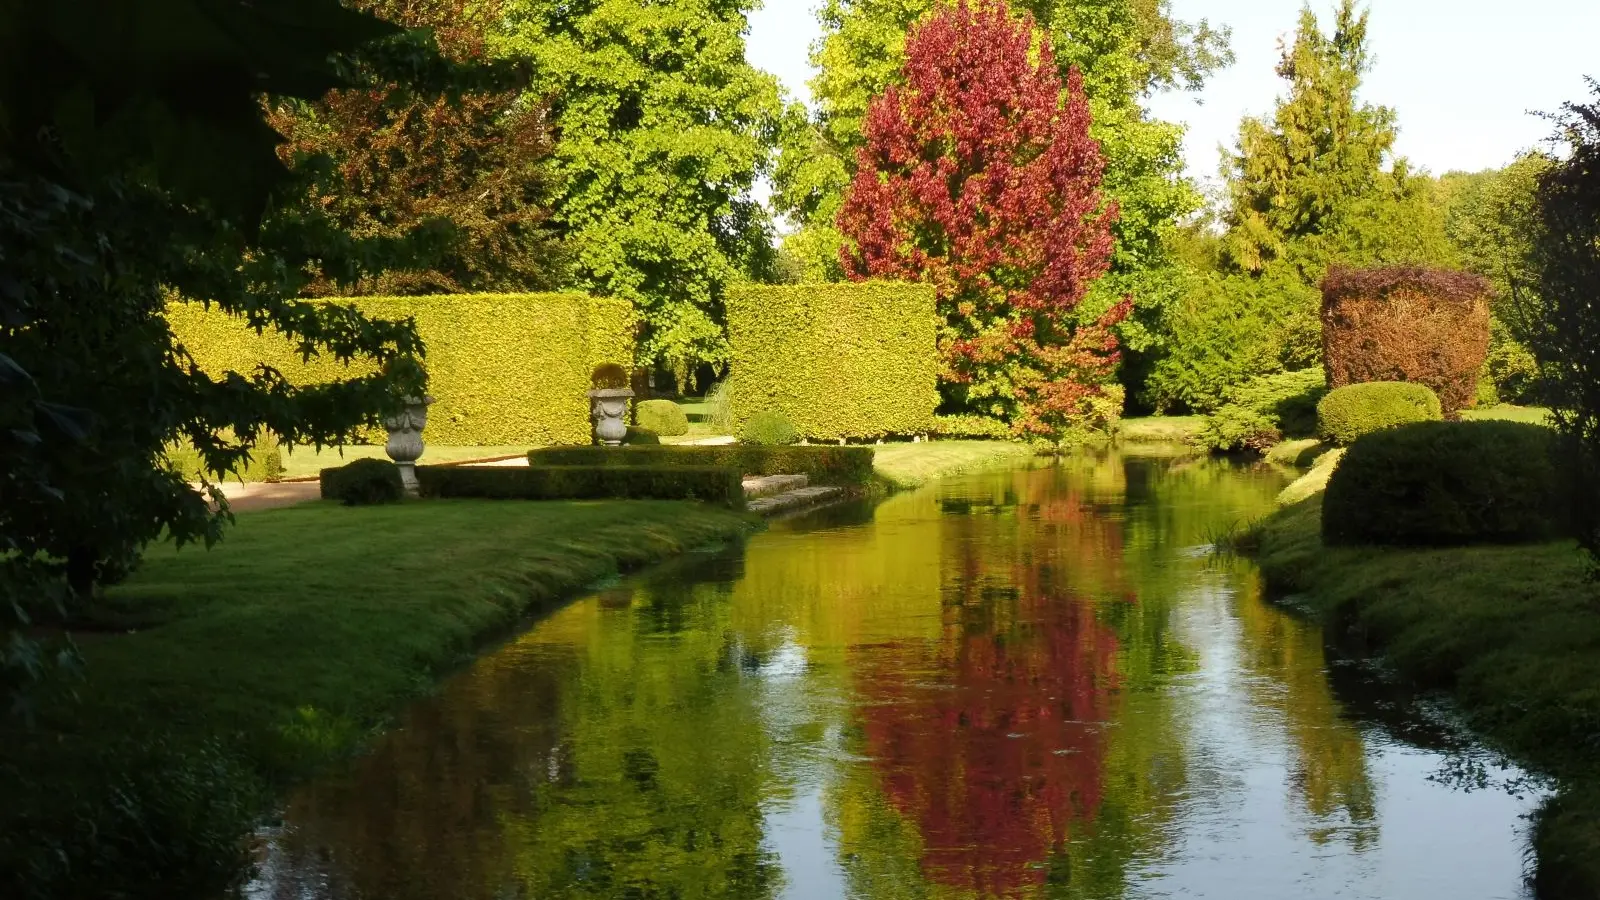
[1464, 76]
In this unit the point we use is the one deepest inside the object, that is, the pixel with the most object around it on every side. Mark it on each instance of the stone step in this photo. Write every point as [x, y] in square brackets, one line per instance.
[795, 499]
[767, 485]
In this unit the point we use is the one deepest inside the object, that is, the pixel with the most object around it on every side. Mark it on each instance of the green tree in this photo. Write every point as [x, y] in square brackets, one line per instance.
[662, 129]
[462, 148]
[136, 168]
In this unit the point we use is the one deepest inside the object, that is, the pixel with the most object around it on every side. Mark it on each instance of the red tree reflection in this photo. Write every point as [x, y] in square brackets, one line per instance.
[991, 740]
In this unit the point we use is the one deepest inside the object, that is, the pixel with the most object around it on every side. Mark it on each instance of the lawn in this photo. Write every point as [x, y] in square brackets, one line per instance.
[218, 674]
[1159, 429]
[306, 462]
[1512, 631]
[1537, 415]
[909, 465]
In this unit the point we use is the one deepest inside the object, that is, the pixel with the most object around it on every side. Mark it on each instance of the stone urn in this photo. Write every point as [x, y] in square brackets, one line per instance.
[607, 409]
[405, 439]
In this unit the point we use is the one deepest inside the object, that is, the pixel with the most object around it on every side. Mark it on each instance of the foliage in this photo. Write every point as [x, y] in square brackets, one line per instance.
[969, 426]
[1510, 368]
[285, 648]
[720, 401]
[265, 462]
[609, 377]
[839, 360]
[1262, 411]
[362, 482]
[1407, 324]
[1492, 217]
[820, 464]
[768, 428]
[662, 417]
[503, 368]
[1563, 320]
[640, 436]
[134, 167]
[1445, 483]
[457, 145]
[711, 484]
[977, 178]
[663, 129]
[1349, 412]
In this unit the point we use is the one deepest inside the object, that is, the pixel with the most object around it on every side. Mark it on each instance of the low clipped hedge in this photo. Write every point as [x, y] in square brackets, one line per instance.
[851, 360]
[362, 482]
[1445, 483]
[662, 417]
[1355, 410]
[502, 368]
[711, 484]
[769, 429]
[822, 465]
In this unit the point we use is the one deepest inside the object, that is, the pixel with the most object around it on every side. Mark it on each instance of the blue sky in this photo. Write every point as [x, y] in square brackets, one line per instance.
[1463, 75]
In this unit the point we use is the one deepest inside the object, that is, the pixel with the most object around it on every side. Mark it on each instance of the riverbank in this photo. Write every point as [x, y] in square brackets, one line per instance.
[911, 465]
[216, 676]
[1512, 632]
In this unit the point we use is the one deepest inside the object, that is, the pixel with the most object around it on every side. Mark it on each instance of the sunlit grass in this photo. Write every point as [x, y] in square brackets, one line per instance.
[1159, 429]
[908, 465]
[306, 462]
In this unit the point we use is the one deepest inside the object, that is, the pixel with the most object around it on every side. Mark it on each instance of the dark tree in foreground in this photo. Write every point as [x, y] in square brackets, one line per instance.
[979, 178]
[136, 169]
[1562, 318]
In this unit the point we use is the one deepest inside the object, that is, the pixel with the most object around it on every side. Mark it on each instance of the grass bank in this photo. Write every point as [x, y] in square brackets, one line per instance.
[306, 462]
[1159, 429]
[214, 677]
[915, 464]
[1512, 632]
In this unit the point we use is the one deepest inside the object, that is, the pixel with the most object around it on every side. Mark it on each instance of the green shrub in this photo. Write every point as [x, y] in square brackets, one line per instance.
[363, 482]
[980, 427]
[502, 368]
[1347, 413]
[638, 436]
[1445, 483]
[720, 402]
[1237, 429]
[1263, 410]
[662, 417]
[820, 464]
[839, 360]
[712, 484]
[266, 462]
[769, 429]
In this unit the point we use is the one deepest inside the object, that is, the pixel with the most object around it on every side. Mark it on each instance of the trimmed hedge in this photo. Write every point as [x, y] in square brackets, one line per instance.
[662, 417]
[266, 462]
[1407, 323]
[1352, 411]
[822, 465]
[712, 484]
[502, 368]
[362, 482]
[839, 360]
[1445, 483]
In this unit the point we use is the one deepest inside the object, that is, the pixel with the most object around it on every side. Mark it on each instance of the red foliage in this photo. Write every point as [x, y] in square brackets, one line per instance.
[978, 178]
[1407, 323]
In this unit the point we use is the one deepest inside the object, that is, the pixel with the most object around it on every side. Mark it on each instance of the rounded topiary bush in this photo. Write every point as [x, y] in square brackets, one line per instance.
[663, 417]
[1445, 483]
[1347, 413]
[640, 436]
[363, 482]
[768, 428]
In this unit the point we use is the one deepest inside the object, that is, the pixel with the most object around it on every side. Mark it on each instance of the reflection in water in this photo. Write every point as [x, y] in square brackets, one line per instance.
[1024, 684]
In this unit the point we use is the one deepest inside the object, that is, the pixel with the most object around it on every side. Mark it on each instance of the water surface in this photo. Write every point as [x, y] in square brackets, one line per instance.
[1033, 683]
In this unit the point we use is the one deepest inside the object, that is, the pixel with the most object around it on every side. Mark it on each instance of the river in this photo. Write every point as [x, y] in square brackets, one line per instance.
[1030, 683]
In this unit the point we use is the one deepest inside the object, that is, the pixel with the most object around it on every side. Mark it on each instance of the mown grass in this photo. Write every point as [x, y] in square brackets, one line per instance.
[1536, 415]
[1159, 429]
[909, 465]
[278, 650]
[1513, 632]
[306, 462]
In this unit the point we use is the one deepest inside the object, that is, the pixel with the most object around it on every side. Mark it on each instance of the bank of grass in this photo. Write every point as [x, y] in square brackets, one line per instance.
[1536, 415]
[216, 676]
[1159, 429]
[909, 465]
[306, 462]
[1513, 632]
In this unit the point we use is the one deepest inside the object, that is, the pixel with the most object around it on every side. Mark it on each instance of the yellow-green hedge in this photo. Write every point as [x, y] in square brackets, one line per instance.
[839, 360]
[502, 368]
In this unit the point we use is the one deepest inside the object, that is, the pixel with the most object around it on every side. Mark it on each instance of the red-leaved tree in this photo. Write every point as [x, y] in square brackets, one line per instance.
[979, 177]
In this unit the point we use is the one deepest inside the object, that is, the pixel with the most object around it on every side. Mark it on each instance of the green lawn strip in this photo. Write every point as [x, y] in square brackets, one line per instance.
[909, 465]
[1159, 429]
[1513, 632]
[306, 462]
[1537, 415]
[307, 628]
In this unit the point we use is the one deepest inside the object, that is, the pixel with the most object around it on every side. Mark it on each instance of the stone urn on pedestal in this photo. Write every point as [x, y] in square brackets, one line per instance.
[608, 404]
[405, 439]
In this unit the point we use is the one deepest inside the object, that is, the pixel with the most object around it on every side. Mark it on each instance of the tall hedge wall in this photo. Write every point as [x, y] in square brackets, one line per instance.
[840, 360]
[502, 368]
